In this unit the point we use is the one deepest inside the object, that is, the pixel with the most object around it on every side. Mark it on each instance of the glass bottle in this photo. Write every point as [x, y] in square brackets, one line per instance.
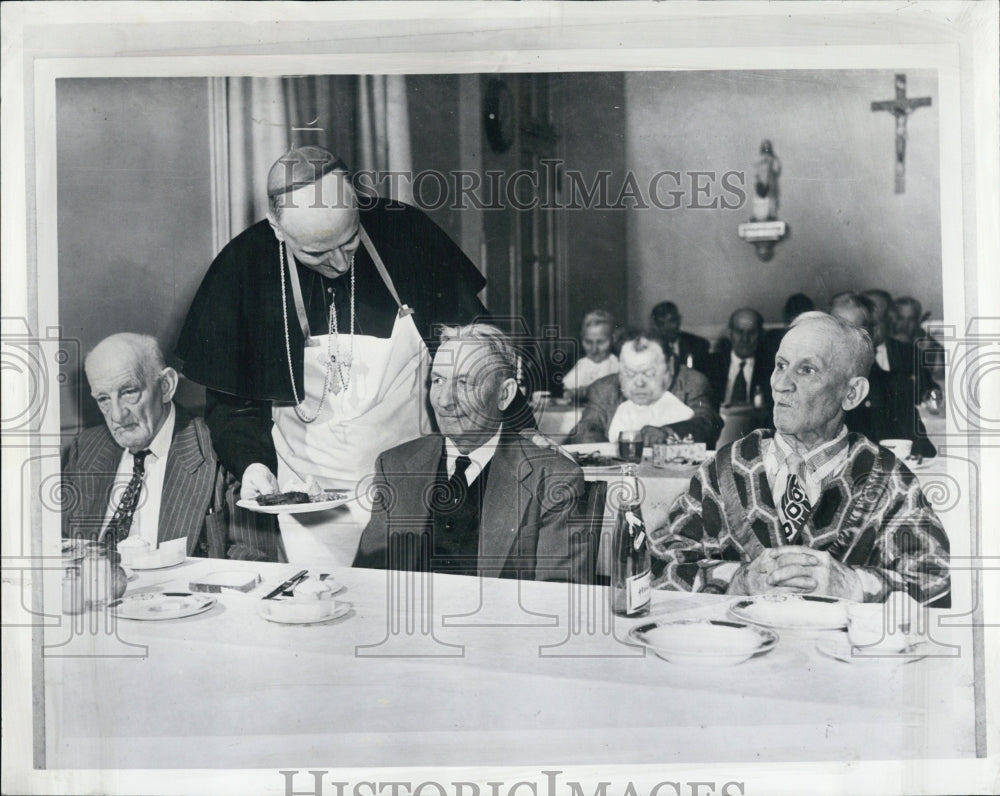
[630, 568]
[72, 591]
[95, 572]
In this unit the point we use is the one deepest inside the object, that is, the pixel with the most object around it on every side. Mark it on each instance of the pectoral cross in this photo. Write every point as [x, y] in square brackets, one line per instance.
[901, 107]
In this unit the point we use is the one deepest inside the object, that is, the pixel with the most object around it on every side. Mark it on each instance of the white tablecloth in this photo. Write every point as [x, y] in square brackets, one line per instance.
[506, 678]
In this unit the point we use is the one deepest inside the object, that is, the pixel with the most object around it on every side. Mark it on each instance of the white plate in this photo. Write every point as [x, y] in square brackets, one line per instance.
[160, 558]
[609, 449]
[839, 648]
[161, 605]
[792, 611]
[704, 642]
[302, 612]
[291, 508]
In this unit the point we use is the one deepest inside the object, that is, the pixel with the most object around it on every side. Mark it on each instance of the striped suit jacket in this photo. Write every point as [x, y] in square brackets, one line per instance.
[198, 501]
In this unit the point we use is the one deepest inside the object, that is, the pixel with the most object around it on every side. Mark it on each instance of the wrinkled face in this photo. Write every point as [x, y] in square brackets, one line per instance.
[744, 333]
[810, 382]
[323, 237]
[643, 375]
[668, 325]
[468, 393]
[134, 405]
[906, 323]
[597, 342]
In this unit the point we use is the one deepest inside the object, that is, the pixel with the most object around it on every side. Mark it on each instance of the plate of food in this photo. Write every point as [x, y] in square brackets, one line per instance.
[156, 606]
[704, 642]
[297, 497]
[596, 456]
[792, 611]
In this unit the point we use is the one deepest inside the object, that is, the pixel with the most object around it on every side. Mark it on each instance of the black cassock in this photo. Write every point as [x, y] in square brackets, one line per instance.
[233, 340]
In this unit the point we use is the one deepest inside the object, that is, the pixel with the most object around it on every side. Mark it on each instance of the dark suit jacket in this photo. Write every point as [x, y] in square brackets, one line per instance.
[910, 375]
[694, 346]
[524, 526]
[718, 373]
[888, 412]
[605, 396]
[198, 501]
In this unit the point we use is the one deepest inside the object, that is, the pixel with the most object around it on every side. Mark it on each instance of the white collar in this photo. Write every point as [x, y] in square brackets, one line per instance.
[160, 446]
[479, 457]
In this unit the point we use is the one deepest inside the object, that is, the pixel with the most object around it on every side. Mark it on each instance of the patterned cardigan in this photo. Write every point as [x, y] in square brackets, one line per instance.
[870, 516]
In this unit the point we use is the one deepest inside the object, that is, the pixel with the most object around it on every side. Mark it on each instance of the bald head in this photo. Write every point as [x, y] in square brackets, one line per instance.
[745, 326]
[132, 386]
[317, 219]
[849, 343]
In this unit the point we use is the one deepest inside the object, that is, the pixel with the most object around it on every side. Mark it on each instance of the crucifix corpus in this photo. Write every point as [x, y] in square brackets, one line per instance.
[901, 107]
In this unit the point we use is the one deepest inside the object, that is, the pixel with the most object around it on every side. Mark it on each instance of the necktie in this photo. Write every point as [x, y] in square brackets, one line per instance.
[457, 486]
[121, 522]
[739, 395]
[794, 502]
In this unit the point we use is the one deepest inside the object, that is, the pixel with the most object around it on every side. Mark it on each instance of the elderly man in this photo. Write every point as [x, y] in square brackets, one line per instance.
[741, 369]
[151, 472]
[475, 499]
[308, 331]
[688, 348]
[658, 395]
[808, 508]
[886, 412]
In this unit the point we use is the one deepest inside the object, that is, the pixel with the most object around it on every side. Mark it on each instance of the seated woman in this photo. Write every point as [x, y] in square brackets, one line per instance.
[596, 336]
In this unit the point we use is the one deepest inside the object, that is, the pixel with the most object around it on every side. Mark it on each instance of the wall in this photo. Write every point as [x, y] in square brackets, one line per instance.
[133, 211]
[849, 230]
[594, 139]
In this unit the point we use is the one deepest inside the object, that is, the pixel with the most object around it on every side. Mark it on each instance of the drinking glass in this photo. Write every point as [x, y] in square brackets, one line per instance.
[630, 446]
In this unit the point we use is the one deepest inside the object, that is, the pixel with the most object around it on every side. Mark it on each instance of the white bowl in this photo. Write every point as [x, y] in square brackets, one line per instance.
[704, 642]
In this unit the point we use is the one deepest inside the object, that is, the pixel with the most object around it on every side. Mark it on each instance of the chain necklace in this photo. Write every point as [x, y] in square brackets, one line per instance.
[333, 334]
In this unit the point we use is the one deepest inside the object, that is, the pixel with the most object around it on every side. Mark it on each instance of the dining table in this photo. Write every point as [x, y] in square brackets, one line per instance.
[448, 670]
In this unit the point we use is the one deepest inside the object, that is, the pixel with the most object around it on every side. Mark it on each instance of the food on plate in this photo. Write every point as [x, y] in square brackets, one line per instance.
[596, 459]
[312, 589]
[329, 494]
[282, 498]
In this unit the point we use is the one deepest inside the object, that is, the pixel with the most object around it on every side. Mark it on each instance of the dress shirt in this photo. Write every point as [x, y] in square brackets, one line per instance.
[734, 367]
[819, 463]
[478, 458]
[146, 520]
[882, 357]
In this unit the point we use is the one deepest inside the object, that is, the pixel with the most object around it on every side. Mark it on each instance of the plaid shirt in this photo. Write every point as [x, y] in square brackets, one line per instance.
[871, 516]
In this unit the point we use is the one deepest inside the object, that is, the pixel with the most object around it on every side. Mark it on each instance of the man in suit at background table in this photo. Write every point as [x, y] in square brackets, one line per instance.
[689, 349]
[651, 393]
[740, 369]
[151, 472]
[888, 411]
[477, 498]
[809, 508]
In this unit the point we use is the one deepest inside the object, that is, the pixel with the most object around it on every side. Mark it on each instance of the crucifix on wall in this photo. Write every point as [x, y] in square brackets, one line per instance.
[901, 107]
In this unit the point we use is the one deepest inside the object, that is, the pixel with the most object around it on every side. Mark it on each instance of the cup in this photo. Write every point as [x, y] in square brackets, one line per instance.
[901, 447]
[661, 455]
[630, 446]
[866, 624]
